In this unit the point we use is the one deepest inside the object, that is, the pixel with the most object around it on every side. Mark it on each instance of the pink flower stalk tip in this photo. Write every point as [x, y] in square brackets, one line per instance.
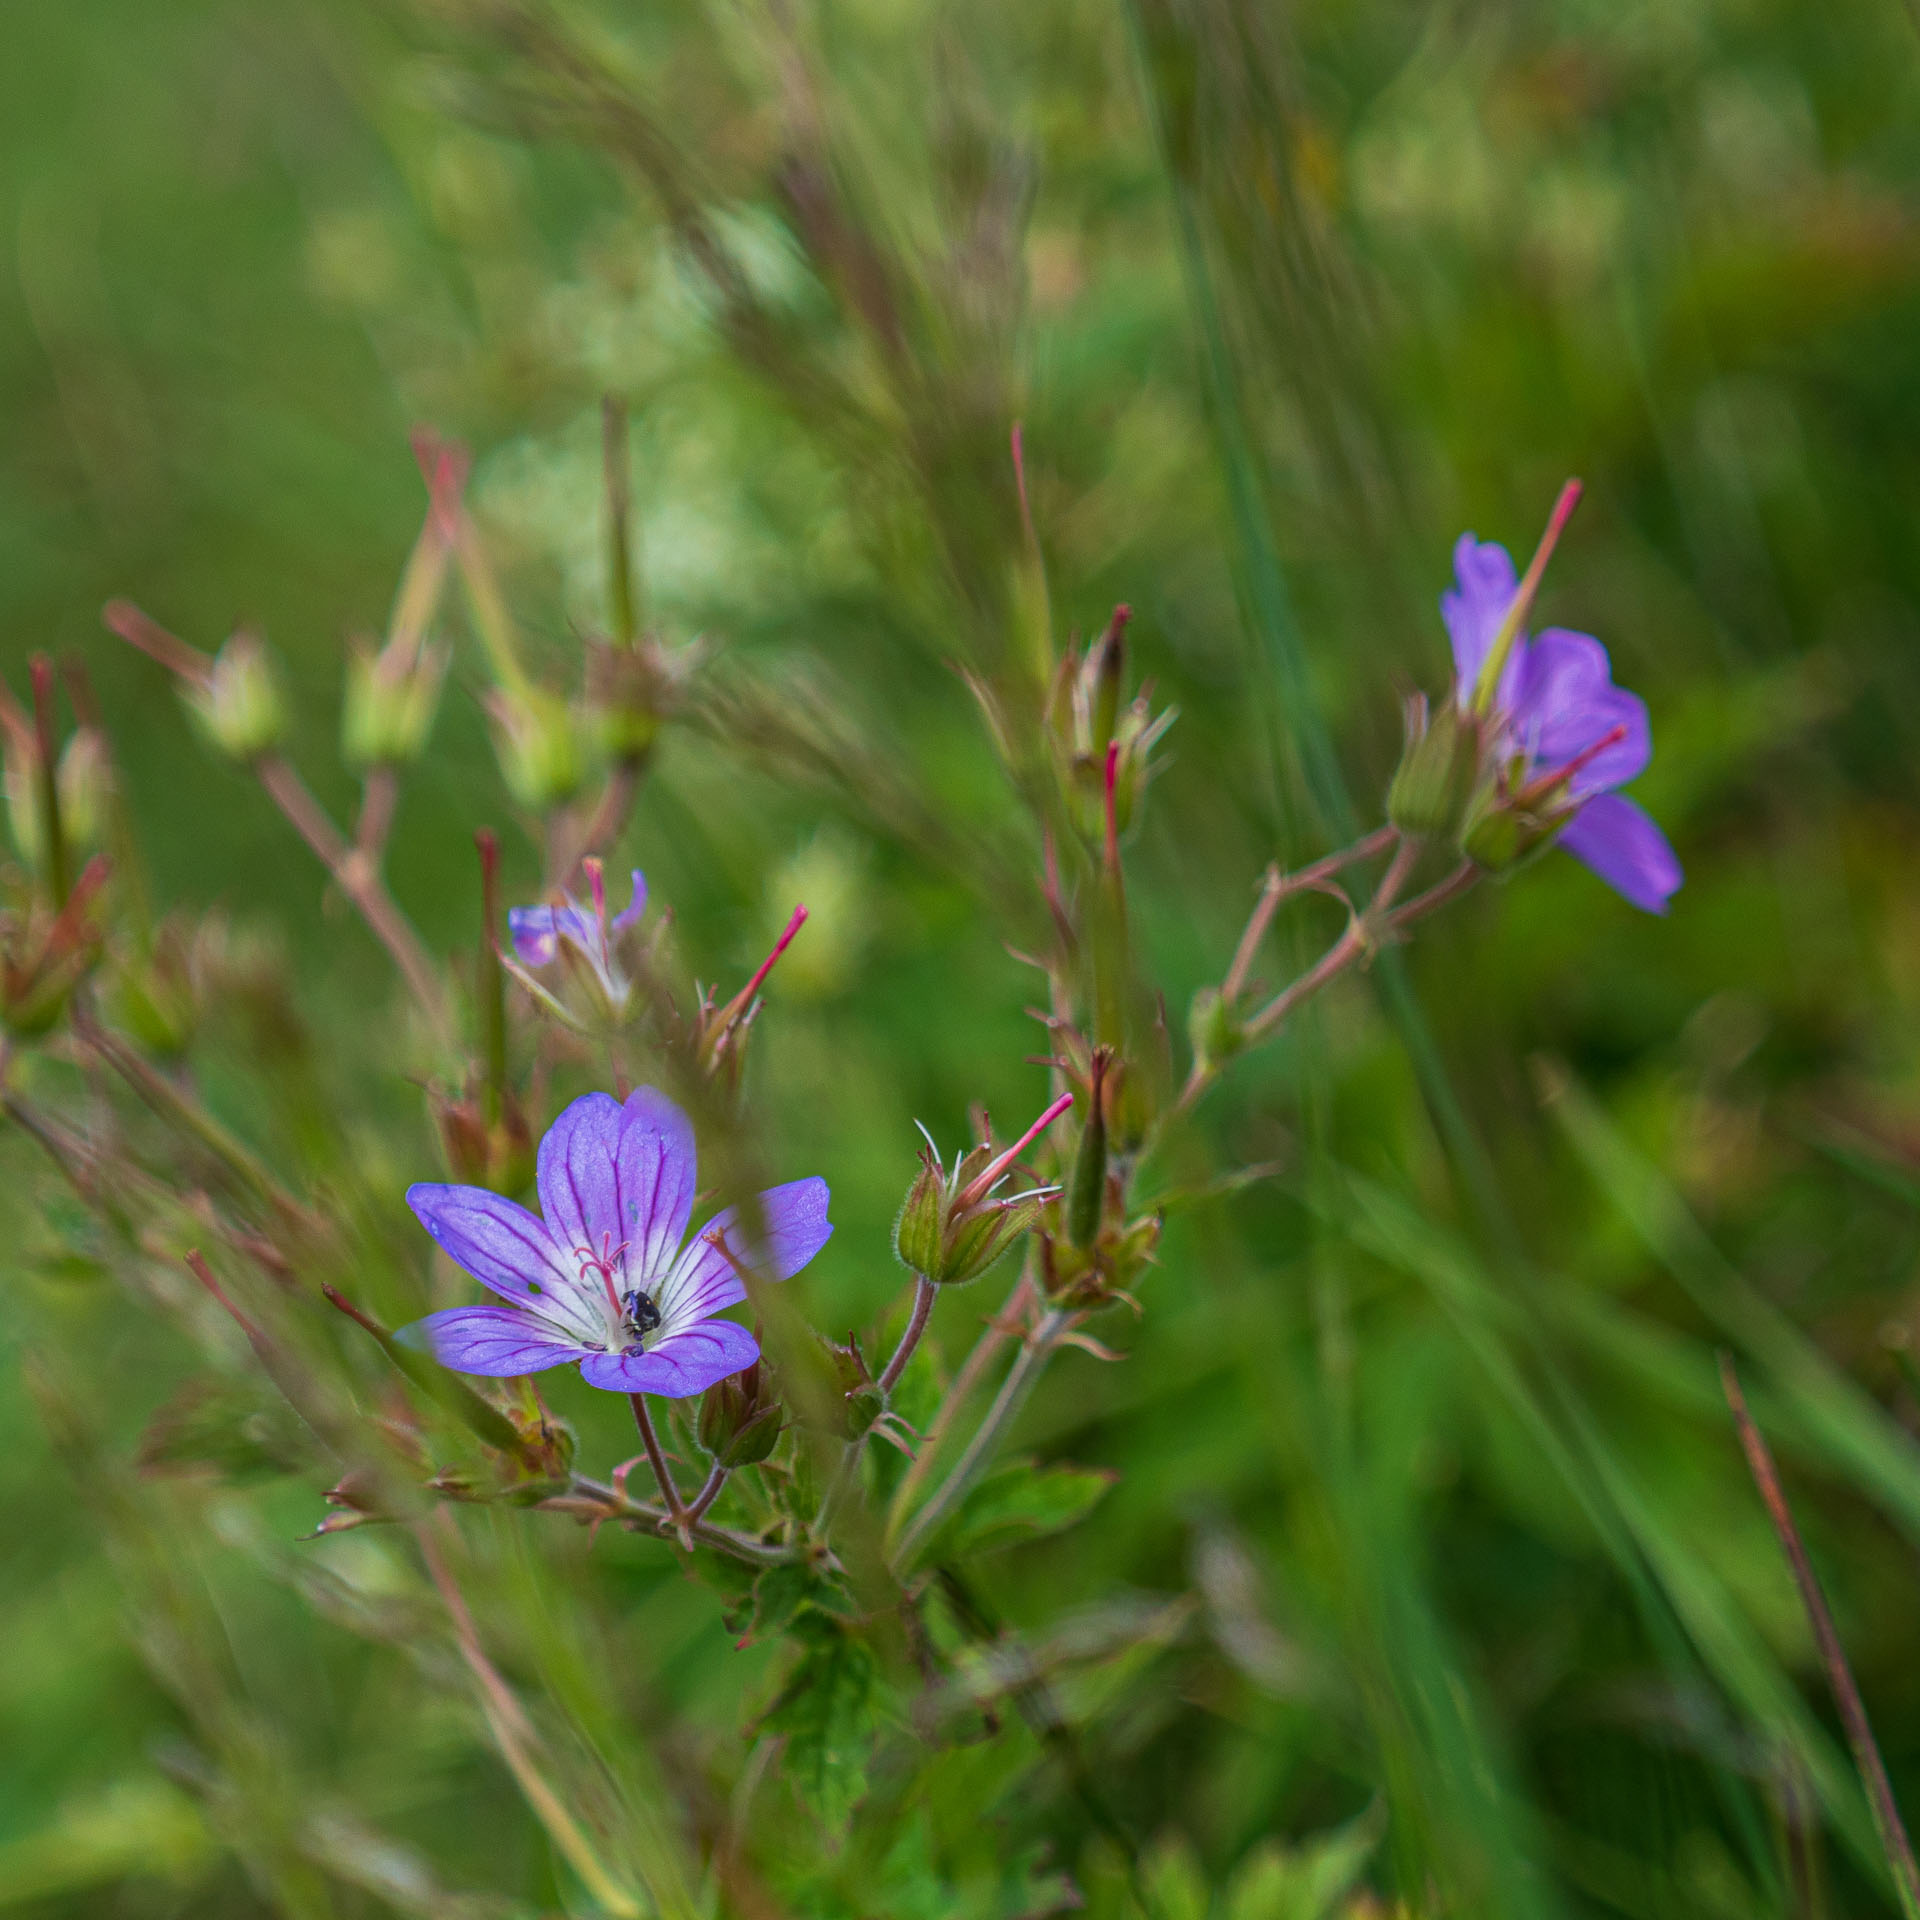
[990, 1176]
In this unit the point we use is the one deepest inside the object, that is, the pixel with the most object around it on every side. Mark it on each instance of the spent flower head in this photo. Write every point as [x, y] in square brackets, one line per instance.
[1103, 750]
[604, 1275]
[955, 1223]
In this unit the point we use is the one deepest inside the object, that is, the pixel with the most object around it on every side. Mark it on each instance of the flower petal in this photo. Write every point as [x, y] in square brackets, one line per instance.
[636, 907]
[1564, 702]
[502, 1245]
[492, 1340]
[577, 1175]
[1620, 842]
[705, 1281]
[1475, 606]
[683, 1364]
[531, 929]
[536, 931]
[657, 1164]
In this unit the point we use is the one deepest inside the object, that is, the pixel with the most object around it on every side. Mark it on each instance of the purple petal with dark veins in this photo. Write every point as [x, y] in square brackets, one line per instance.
[577, 1174]
[705, 1281]
[1564, 701]
[683, 1364]
[1626, 849]
[502, 1245]
[1474, 607]
[658, 1163]
[492, 1340]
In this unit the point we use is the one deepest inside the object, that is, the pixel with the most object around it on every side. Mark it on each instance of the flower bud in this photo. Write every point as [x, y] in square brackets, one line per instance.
[919, 1231]
[153, 993]
[392, 697]
[240, 705]
[1214, 1028]
[631, 690]
[86, 785]
[1505, 830]
[740, 1419]
[862, 1402]
[1438, 773]
[537, 746]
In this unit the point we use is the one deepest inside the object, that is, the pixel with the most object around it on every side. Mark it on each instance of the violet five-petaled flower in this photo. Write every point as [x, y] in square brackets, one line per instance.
[1554, 707]
[600, 1276]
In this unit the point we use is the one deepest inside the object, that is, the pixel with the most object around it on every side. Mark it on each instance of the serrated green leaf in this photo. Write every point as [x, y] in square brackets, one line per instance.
[828, 1712]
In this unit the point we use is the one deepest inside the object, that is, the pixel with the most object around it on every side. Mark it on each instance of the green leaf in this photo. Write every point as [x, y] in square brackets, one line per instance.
[829, 1712]
[1306, 1882]
[1021, 1501]
[781, 1594]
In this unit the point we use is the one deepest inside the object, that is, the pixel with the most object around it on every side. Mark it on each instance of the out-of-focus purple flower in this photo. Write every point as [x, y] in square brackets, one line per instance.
[1560, 736]
[583, 939]
[600, 1276]
[538, 931]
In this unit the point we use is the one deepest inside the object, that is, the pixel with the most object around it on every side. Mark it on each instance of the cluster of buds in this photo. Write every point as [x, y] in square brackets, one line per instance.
[955, 1224]
[1102, 751]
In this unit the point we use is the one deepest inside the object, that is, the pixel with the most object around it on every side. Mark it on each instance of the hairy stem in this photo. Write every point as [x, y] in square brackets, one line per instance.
[354, 874]
[709, 1492]
[594, 1499]
[1021, 1379]
[924, 1295]
[657, 1460]
[1278, 886]
[999, 1329]
[171, 1104]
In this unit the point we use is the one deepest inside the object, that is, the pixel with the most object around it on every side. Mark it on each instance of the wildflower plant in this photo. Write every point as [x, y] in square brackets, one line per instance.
[583, 1216]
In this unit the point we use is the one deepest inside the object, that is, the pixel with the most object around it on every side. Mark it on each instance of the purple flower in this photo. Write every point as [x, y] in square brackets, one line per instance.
[1563, 735]
[592, 950]
[603, 1278]
[538, 931]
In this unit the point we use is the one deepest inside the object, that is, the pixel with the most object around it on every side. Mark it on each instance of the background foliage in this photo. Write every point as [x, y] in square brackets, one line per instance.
[1424, 1479]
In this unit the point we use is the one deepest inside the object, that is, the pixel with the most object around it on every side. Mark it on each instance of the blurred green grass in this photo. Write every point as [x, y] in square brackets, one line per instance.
[1509, 1570]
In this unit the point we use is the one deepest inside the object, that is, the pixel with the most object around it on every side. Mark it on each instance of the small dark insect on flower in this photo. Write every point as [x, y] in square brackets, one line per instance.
[642, 1316]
